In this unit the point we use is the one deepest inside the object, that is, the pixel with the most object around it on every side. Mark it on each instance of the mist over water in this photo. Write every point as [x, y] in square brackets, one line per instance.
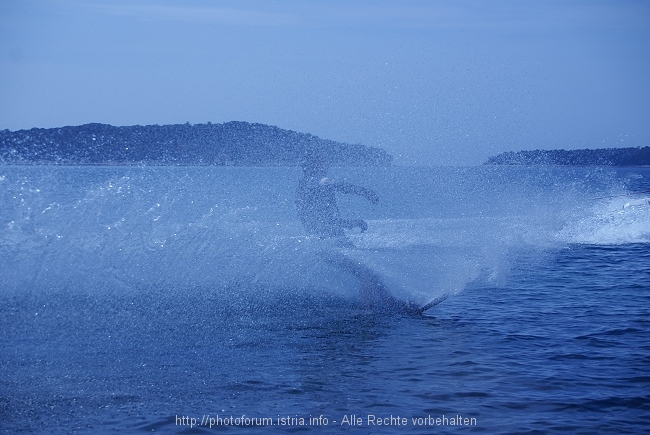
[171, 229]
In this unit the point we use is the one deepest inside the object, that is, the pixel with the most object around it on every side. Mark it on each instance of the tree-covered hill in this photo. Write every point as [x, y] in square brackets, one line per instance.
[586, 157]
[231, 143]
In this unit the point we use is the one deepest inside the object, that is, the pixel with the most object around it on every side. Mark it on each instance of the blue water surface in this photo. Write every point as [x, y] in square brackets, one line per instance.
[190, 300]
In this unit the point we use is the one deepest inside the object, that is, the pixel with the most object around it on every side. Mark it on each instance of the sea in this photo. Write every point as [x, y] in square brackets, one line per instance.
[190, 300]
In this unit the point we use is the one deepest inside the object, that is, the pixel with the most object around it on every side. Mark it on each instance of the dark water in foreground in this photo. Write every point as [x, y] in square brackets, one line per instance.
[102, 329]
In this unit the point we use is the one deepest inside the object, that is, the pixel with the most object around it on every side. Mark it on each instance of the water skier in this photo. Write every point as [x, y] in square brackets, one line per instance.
[317, 207]
[319, 213]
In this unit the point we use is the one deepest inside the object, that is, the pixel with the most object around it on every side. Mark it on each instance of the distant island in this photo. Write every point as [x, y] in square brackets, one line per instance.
[231, 143]
[587, 157]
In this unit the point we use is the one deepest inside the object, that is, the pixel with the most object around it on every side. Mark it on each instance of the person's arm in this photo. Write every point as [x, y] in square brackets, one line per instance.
[350, 224]
[351, 189]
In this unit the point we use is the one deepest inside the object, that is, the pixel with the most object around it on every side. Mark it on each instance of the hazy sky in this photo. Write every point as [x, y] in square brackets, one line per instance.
[432, 82]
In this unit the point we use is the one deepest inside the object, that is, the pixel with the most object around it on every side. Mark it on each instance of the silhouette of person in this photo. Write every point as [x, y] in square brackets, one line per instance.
[320, 216]
[319, 213]
[317, 207]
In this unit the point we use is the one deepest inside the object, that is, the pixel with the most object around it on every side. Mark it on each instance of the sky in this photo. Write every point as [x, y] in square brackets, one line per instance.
[432, 82]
